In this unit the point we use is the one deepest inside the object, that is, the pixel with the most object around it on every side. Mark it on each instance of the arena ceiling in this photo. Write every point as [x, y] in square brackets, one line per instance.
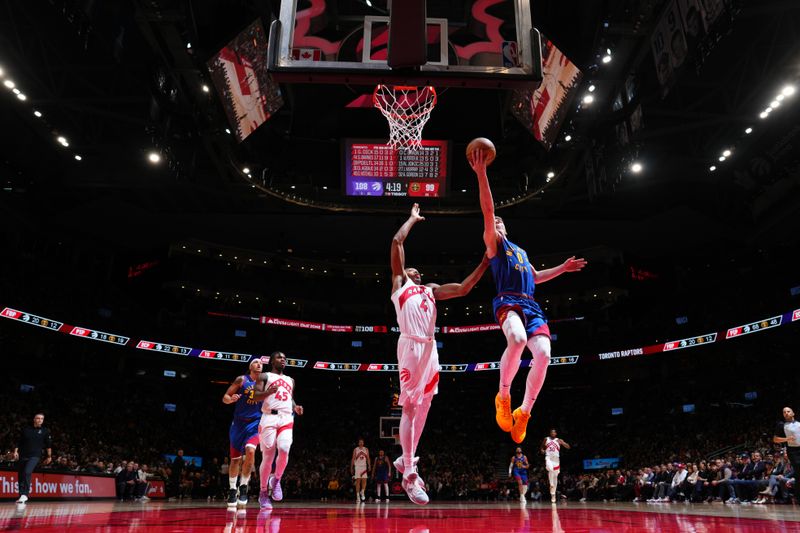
[118, 80]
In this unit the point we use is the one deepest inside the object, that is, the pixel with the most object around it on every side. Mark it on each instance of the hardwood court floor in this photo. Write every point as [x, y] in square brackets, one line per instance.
[299, 516]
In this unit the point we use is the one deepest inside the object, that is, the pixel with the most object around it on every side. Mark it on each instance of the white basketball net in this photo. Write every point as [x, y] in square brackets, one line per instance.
[407, 109]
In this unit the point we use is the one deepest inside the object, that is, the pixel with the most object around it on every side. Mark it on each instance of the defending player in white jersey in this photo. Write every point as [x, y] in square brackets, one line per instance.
[551, 448]
[417, 358]
[275, 428]
[360, 466]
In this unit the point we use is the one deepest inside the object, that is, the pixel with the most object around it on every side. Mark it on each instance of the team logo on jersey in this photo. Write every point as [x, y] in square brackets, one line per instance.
[405, 375]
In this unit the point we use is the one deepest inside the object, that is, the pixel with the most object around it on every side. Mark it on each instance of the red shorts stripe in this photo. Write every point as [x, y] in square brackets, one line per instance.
[432, 384]
[544, 329]
[253, 441]
[287, 426]
[235, 454]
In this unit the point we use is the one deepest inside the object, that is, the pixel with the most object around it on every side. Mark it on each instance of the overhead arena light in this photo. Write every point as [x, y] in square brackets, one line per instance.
[636, 167]
[763, 114]
[726, 153]
[246, 170]
[588, 99]
[154, 157]
[78, 157]
[722, 158]
[748, 131]
[568, 138]
[22, 97]
[712, 168]
[62, 141]
[789, 90]
[591, 88]
[774, 104]
[551, 175]
[10, 84]
[205, 88]
[37, 114]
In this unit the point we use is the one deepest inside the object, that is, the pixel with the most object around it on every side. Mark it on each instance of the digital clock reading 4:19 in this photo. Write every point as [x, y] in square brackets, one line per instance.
[372, 168]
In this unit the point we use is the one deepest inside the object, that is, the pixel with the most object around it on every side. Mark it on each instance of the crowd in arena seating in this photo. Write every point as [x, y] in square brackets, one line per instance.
[128, 436]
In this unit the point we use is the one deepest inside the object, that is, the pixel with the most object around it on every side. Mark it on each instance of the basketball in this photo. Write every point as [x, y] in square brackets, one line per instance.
[482, 143]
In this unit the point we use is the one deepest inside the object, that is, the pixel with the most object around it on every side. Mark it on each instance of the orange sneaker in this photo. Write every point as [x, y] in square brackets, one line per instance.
[520, 428]
[502, 407]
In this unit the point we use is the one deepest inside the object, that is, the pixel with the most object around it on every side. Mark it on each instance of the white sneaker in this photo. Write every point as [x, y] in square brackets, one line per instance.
[414, 487]
[552, 499]
[400, 466]
[22, 499]
[582, 500]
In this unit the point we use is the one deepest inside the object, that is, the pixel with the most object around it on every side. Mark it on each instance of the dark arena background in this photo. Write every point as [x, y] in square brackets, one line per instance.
[191, 186]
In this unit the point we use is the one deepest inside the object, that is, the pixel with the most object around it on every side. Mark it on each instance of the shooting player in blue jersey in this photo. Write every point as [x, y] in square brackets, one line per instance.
[519, 315]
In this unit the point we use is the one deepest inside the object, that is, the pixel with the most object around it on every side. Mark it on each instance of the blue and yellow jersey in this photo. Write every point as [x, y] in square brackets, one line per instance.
[247, 407]
[512, 271]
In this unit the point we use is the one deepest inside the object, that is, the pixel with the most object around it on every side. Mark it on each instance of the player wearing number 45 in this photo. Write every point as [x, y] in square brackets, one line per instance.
[275, 429]
[520, 317]
[418, 361]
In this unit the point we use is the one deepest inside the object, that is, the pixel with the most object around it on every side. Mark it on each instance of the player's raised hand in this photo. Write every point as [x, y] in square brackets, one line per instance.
[298, 409]
[574, 265]
[477, 160]
[415, 213]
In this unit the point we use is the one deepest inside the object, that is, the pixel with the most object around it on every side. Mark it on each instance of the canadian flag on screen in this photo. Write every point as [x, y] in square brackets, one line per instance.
[306, 54]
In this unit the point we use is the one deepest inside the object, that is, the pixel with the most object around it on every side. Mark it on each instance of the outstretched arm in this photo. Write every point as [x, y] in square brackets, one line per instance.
[454, 290]
[564, 444]
[570, 265]
[478, 163]
[398, 254]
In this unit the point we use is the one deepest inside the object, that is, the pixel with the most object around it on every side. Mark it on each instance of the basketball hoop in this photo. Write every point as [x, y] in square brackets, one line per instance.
[407, 109]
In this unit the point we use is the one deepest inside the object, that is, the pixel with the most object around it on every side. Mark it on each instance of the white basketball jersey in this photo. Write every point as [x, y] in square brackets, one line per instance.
[552, 447]
[281, 401]
[360, 458]
[416, 309]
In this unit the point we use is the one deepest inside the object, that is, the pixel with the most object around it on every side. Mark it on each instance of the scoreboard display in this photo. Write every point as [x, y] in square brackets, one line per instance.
[373, 168]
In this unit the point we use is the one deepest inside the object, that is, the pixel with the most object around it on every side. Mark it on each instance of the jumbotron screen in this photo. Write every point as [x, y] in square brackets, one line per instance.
[373, 168]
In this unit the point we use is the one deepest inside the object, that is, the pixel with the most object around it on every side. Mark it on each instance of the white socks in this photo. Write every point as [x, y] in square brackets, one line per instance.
[232, 482]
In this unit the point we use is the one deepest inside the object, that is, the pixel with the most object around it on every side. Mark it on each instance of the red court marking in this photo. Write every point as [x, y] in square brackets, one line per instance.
[392, 517]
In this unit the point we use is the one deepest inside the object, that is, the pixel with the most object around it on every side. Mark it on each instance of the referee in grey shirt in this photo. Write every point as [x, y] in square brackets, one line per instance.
[788, 432]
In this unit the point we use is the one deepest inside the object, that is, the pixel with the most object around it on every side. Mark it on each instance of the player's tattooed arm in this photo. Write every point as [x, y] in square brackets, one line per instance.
[455, 290]
[231, 395]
